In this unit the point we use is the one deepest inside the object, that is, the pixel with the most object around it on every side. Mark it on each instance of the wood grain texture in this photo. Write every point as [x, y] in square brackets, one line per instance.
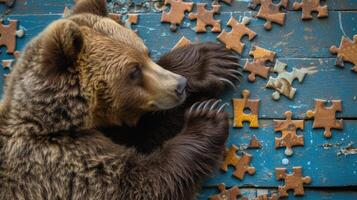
[310, 194]
[298, 43]
[320, 158]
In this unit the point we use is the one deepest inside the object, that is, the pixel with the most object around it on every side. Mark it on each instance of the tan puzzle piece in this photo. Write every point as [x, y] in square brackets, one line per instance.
[346, 52]
[293, 181]
[254, 143]
[239, 116]
[182, 42]
[309, 6]
[176, 13]
[257, 67]
[270, 11]
[283, 82]
[240, 163]
[206, 18]
[325, 117]
[8, 35]
[288, 129]
[130, 19]
[232, 39]
[8, 2]
[230, 194]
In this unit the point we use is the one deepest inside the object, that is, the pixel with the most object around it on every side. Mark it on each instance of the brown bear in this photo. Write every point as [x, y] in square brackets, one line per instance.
[86, 76]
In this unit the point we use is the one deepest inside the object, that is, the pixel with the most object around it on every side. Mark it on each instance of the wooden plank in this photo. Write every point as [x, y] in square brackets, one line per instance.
[330, 82]
[57, 6]
[324, 194]
[296, 39]
[320, 158]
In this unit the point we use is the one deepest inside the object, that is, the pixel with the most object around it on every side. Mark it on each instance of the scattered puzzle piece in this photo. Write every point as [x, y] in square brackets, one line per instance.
[8, 35]
[127, 20]
[309, 6]
[254, 143]
[346, 52]
[8, 3]
[288, 129]
[270, 11]
[293, 181]
[283, 82]
[257, 67]
[230, 194]
[176, 13]
[232, 39]
[266, 197]
[205, 18]
[239, 116]
[325, 117]
[182, 42]
[240, 163]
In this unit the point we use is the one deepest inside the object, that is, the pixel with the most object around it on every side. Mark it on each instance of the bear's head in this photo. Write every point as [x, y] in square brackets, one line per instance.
[111, 63]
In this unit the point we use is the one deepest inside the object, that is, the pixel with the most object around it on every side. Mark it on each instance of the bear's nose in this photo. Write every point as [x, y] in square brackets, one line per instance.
[181, 86]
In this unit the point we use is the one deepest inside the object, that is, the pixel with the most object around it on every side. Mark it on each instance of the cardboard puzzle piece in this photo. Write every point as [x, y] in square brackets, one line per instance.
[230, 194]
[182, 42]
[232, 39]
[267, 197]
[270, 11]
[127, 20]
[294, 181]
[254, 143]
[205, 18]
[240, 163]
[8, 3]
[257, 67]
[309, 6]
[240, 116]
[288, 130]
[346, 52]
[8, 34]
[325, 117]
[176, 13]
[283, 82]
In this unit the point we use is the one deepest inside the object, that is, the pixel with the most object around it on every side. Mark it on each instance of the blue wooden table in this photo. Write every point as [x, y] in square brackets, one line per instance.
[331, 163]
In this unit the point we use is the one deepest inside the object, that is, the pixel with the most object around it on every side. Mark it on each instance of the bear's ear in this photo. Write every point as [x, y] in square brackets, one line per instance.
[96, 7]
[61, 44]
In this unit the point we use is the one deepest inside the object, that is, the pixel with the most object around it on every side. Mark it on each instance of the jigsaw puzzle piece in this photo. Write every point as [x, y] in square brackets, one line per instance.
[346, 52]
[8, 34]
[240, 116]
[240, 163]
[205, 18]
[230, 194]
[288, 130]
[294, 181]
[283, 82]
[309, 6]
[325, 117]
[232, 39]
[257, 67]
[270, 11]
[176, 13]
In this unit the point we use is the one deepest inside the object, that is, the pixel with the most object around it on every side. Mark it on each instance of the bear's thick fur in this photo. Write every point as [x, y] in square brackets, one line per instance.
[85, 77]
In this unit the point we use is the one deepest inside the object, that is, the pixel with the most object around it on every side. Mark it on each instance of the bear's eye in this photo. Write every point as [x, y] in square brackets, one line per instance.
[135, 72]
